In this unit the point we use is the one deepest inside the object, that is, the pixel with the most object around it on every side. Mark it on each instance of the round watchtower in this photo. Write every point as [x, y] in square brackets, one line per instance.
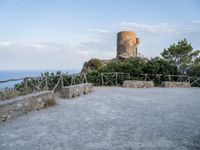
[127, 44]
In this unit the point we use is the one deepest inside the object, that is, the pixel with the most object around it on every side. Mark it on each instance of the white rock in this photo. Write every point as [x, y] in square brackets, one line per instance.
[39, 100]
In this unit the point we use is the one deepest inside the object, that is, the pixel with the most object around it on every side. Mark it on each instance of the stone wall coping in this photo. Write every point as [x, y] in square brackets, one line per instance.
[138, 84]
[174, 82]
[136, 81]
[20, 98]
[72, 91]
[77, 85]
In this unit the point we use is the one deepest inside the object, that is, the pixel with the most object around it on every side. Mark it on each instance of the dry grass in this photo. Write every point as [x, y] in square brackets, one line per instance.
[8, 93]
[49, 103]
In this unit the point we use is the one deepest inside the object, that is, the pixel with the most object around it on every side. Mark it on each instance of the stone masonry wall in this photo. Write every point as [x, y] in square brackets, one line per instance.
[138, 84]
[76, 90]
[21, 105]
[127, 44]
[175, 84]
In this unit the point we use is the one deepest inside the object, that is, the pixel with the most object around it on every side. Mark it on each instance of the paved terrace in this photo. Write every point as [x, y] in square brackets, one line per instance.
[111, 118]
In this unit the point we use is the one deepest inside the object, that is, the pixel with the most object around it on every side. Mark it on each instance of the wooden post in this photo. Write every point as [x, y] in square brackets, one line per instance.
[102, 82]
[145, 77]
[158, 79]
[115, 78]
[26, 85]
[56, 85]
[82, 78]
[85, 77]
[71, 79]
[61, 79]
[74, 79]
[46, 83]
[169, 78]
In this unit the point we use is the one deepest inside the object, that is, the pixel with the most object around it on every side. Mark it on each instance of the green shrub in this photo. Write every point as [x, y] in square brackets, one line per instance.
[92, 64]
[135, 67]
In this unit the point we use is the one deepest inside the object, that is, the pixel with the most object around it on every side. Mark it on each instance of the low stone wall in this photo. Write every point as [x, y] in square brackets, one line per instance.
[21, 105]
[76, 90]
[138, 84]
[175, 84]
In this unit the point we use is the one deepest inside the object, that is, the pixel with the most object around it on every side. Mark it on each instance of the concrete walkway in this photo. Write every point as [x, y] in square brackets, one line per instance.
[111, 118]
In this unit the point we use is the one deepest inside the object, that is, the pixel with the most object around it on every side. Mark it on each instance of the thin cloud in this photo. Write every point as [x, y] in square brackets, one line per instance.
[97, 30]
[98, 43]
[162, 28]
[83, 53]
[3, 44]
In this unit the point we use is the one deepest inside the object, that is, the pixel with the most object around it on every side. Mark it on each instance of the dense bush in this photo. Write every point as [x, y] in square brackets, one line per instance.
[94, 77]
[135, 67]
[160, 66]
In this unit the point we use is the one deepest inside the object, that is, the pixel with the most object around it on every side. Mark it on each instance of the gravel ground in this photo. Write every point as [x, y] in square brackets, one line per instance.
[111, 118]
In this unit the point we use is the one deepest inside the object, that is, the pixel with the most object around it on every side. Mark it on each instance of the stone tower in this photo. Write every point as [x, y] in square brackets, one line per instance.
[127, 44]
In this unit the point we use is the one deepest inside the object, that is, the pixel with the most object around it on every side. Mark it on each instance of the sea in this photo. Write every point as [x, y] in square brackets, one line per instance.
[5, 75]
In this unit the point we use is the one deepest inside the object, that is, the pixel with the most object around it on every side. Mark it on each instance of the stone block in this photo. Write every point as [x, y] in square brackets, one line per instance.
[175, 84]
[138, 84]
[20, 105]
[76, 90]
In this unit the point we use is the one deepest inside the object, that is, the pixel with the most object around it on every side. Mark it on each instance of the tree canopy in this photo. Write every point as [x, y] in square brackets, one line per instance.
[181, 54]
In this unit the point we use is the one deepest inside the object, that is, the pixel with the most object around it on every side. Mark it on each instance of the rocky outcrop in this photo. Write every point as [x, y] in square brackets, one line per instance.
[138, 84]
[175, 84]
[76, 90]
[21, 105]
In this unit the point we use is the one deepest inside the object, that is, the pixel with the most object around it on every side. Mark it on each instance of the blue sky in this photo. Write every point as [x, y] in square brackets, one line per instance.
[62, 34]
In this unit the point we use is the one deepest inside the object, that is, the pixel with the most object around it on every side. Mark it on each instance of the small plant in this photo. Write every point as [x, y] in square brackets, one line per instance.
[49, 103]
[8, 93]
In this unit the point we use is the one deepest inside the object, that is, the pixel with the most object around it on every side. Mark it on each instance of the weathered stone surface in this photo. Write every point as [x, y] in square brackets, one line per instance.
[17, 106]
[39, 100]
[127, 44]
[76, 90]
[175, 84]
[138, 84]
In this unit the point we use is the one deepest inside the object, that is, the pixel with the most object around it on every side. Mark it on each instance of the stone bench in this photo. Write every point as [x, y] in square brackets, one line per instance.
[175, 84]
[76, 90]
[138, 84]
[21, 105]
